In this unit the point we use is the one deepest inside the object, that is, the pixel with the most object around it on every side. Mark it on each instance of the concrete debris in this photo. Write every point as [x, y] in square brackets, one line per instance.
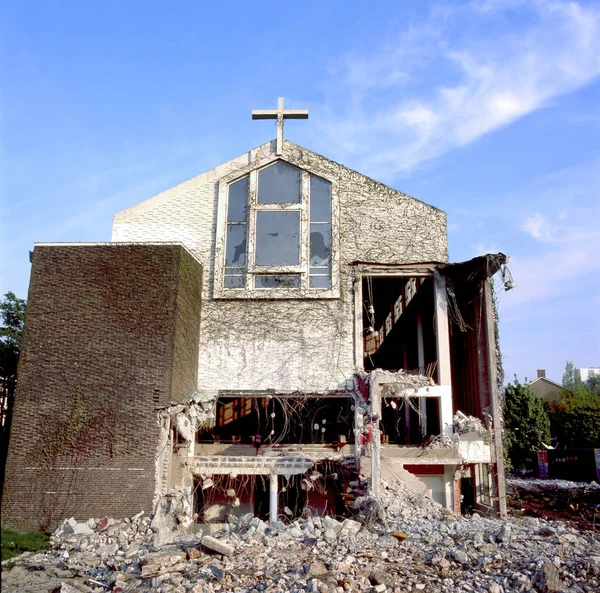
[549, 579]
[504, 534]
[464, 424]
[187, 416]
[399, 383]
[172, 517]
[541, 484]
[193, 553]
[165, 558]
[218, 546]
[402, 507]
[184, 427]
[416, 547]
[74, 588]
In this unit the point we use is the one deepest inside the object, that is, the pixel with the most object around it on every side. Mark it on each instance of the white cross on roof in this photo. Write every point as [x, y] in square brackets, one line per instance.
[279, 114]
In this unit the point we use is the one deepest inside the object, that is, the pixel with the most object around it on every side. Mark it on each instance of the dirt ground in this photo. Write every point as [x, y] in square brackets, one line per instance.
[560, 500]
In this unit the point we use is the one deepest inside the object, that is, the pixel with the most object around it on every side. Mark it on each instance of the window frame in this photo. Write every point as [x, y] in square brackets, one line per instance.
[252, 270]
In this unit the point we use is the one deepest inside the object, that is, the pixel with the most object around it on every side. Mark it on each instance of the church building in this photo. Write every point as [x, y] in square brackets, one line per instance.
[280, 335]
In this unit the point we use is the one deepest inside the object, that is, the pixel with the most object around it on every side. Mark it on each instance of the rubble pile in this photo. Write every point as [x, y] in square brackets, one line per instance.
[403, 507]
[463, 424]
[435, 552]
[544, 484]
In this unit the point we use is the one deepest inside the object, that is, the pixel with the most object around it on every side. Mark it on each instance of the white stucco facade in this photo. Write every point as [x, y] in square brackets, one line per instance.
[286, 341]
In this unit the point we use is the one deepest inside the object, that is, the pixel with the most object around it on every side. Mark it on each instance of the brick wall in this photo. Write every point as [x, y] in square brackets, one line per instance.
[111, 332]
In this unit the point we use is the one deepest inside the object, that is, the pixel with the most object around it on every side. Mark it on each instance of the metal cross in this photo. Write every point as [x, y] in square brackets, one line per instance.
[280, 114]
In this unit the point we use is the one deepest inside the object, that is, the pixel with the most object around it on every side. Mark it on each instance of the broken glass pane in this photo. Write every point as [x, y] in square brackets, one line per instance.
[277, 238]
[319, 282]
[235, 281]
[320, 244]
[320, 200]
[277, 281]
[238, 201]
[235, 253]
[279, 184]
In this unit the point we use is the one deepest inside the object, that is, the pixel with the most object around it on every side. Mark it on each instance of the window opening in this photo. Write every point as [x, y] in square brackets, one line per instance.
[277, 238]
[283, 237]
[399, 324]
[279, 184]
[320, 234]
[484, 484]
[467, 490]
[281, 420]
[222, 496]
[399, 334]
[236, 244]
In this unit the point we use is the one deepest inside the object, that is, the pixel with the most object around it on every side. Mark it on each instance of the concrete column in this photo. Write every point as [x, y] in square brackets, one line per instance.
[421, 364]
[359, 343]
[497, 447]
[358, 424]
[443, 353]
[375, 439]
[376, 462]
[273, 497]
[169, 454]
[449, 476]
[191, 453]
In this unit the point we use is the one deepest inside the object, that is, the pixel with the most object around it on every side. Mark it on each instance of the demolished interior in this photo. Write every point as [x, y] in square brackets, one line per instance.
[421, 408]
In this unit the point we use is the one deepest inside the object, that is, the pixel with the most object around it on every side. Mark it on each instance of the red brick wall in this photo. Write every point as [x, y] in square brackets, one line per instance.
[111, 332]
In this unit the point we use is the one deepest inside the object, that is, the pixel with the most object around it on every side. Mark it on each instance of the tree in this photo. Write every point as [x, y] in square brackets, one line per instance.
[593, 383]
[575, 418]
[526, 425]
[12, 313]
[570, 379]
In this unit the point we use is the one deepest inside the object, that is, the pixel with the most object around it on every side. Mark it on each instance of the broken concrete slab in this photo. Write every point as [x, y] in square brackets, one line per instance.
[92, 561]
[215, 545]
[74, 588]
[316, 569]
[330, 536]
[165, 558]
[108, 550]
[350, 527]
[549, 579]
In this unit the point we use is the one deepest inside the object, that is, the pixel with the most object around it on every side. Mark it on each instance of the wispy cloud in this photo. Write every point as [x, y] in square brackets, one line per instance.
[469, 70]
[549, 275]
[556, 245]
[539, 227]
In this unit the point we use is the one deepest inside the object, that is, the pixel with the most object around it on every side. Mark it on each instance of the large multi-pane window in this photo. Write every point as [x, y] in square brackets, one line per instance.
[278, 230]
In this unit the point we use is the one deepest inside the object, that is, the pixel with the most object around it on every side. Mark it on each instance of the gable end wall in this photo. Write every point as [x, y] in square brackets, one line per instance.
[287, 344]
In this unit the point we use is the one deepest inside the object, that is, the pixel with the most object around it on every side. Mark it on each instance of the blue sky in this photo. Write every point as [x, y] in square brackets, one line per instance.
[488, 110]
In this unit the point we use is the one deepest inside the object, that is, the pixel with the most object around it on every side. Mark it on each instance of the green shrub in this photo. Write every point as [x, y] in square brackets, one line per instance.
[526, 426]
[575, 419]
